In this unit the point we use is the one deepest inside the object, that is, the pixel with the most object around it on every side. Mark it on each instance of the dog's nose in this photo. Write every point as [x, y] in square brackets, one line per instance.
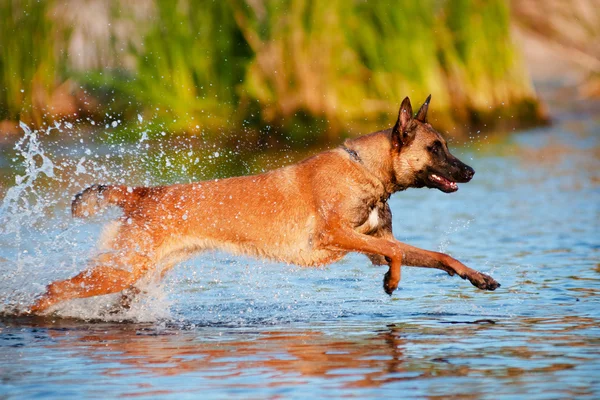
[469, 172]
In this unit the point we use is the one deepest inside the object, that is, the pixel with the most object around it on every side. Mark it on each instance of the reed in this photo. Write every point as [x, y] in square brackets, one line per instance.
[189, 66]
[297, 71]
[28, 63]
[351, 62]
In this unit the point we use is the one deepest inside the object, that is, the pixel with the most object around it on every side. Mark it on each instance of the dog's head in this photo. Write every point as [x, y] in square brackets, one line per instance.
[420, 154]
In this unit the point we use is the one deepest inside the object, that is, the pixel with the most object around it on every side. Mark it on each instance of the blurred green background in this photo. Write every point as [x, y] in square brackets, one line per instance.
[293, 72]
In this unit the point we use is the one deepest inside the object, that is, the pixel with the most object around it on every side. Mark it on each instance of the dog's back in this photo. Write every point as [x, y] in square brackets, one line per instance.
[274, 214]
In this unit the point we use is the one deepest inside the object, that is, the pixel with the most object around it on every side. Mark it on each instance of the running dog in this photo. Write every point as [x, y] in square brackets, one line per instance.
[310, 213]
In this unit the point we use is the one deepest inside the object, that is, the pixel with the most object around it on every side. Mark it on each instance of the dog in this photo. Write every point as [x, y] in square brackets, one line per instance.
[310, 213]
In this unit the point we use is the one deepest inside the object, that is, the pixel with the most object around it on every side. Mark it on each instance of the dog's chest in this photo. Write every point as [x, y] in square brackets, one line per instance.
[371, 219]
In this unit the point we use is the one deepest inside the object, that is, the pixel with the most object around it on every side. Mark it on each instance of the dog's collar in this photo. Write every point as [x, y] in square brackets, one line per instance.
[353, 154]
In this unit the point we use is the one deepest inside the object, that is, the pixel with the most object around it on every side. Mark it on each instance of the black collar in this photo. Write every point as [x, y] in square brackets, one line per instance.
[353, 154]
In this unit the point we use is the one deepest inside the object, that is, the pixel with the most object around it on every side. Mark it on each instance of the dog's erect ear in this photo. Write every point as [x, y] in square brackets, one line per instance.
[422, 113]
[403, 132]
[405, 115]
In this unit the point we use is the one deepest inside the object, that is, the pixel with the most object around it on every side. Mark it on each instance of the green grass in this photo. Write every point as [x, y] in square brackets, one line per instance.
[284, 71]
[189, 67]
[29, 64]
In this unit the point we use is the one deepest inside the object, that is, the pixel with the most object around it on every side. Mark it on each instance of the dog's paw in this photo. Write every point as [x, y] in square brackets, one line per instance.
[128, 297]
[483, 281]
[389, 286]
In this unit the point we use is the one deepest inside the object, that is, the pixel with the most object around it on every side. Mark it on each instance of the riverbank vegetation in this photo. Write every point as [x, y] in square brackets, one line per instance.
[292, 72]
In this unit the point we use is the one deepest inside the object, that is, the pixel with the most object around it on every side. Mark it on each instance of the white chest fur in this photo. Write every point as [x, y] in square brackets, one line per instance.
[373, 221]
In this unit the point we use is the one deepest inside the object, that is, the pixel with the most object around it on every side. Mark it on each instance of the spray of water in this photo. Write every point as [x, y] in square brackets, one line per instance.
[40, 242]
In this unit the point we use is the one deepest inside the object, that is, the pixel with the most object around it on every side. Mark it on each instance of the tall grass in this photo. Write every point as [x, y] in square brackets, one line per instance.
[484, 65]
[295, 70]
[189, 66]
[354, 61]
[29, 65]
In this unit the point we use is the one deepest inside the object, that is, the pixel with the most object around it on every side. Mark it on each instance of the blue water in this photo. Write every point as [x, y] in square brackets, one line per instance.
[232, 327]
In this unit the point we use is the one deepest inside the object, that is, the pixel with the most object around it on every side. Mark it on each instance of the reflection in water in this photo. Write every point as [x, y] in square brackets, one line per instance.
[430, 358]
[303, 353]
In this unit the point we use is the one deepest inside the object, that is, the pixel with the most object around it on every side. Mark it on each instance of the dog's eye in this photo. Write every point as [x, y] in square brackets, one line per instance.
[436, 148]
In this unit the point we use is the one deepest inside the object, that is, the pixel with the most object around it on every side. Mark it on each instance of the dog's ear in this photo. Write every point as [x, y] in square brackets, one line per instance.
[403, 131]
[422, 113]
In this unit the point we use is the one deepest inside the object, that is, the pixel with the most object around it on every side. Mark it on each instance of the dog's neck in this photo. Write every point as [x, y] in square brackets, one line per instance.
[375, 153]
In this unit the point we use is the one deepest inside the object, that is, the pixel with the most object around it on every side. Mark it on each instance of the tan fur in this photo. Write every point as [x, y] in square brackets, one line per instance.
[310, 213]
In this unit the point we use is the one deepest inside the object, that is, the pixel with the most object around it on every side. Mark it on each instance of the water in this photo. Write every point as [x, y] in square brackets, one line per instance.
[222, 326]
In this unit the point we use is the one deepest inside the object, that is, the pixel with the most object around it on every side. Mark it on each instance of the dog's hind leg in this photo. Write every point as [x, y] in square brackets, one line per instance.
[164, 264]
[128, 297]
[98, 280]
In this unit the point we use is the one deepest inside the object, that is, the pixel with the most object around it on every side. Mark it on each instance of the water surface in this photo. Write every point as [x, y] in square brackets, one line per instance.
[223, 326]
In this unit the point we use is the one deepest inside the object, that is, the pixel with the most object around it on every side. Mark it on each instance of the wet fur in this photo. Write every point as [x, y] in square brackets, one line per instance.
[310, 213]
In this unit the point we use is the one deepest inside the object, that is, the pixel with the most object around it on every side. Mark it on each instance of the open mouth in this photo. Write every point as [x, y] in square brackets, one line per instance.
[445, 185]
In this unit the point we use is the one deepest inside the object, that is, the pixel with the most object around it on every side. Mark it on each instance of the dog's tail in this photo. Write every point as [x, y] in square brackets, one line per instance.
[98, 197]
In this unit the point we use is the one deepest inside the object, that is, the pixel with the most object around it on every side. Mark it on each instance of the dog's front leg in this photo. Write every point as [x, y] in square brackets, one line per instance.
[416, 257]
[348, 239]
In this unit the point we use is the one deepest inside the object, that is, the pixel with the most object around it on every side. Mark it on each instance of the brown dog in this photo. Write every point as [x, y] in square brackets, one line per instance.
[310, 213]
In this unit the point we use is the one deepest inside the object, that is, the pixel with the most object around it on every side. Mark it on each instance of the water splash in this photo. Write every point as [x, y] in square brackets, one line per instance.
[39, 242]
[21, 202]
